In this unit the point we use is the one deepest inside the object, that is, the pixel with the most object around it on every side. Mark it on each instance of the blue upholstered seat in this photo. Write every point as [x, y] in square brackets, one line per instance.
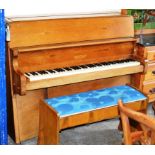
[92, 100]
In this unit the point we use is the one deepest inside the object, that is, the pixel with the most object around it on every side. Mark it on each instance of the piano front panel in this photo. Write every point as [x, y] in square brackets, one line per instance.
[52, 31]
[73, 56]
[27, 114]
[87, 86]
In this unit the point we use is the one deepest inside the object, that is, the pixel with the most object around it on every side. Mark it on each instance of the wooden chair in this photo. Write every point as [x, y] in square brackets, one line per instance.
[146, 132]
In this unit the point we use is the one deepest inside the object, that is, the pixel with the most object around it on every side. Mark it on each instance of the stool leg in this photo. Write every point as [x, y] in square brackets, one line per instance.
[48, 125]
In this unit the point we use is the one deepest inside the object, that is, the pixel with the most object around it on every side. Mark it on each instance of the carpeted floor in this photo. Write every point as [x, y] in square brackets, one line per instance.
[100, 133]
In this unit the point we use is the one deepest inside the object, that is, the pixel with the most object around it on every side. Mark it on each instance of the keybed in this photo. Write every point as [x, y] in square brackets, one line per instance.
[81, 69]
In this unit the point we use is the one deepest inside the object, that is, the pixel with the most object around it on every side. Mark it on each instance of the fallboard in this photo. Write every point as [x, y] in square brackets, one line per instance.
[43, 59]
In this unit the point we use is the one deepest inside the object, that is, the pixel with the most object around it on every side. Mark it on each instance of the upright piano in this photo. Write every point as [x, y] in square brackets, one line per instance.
[55, 56]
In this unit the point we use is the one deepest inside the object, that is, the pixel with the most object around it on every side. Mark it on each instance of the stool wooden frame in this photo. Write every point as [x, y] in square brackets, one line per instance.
[50, 123]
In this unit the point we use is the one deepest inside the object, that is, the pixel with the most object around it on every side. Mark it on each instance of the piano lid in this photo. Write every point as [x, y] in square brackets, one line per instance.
[60, 16]
[69, 30]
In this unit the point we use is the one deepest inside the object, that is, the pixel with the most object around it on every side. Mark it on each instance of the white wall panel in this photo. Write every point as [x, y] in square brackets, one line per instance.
[50, 7]
[54, 7]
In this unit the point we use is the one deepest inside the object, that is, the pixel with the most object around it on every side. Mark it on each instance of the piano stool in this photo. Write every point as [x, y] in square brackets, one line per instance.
[83, 108]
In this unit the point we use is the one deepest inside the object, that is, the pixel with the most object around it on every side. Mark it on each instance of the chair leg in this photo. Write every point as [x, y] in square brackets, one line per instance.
[48, 126]
[153, 138]
[126, 129]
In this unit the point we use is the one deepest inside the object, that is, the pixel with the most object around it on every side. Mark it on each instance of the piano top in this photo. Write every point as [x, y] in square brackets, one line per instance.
[60, 16]
[69, 29]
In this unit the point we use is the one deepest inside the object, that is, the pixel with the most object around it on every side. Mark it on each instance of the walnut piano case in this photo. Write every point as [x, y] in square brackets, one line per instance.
[50, 43]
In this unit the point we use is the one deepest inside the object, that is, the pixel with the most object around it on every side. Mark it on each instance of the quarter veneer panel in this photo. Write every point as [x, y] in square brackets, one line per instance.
[87, 86]
[58, 58]
[28, 113]
[97, 115]
[51, 31]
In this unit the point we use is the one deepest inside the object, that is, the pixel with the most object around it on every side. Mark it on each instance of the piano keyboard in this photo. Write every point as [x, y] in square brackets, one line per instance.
[66, 71]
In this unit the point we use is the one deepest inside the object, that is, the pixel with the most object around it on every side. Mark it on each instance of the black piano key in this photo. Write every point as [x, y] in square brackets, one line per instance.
[59, 70]
[104, 63]
[113, 62]
[33, 73]
[98, 64]
[117, 61]
[27, 74]
[109, 63]
[131, 60]
[75, 67]
[51, 71]
[42, 72]
[95, 64]
[126, 60]
[120, 61]
[79, 67]
[83, 66]
[39, 72]
[67, 68]
[47, 72]
[90, 65]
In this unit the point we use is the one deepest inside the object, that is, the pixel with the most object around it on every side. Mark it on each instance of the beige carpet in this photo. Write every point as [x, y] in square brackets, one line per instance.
[100, 133]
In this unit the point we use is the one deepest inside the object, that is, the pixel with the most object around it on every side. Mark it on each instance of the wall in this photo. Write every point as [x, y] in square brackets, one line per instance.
[46, 7]
[3, 119]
